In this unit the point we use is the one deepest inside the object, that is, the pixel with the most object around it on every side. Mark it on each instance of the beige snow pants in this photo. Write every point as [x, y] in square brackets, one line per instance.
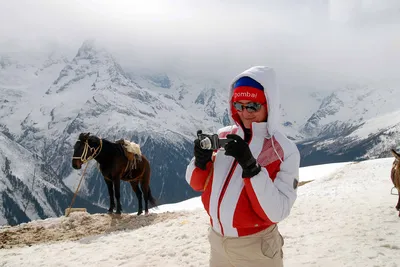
[257, 250]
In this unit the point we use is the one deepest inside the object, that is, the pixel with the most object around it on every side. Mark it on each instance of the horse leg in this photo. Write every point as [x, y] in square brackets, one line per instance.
[138, 192]
[110, 188]
[145, 184]
[398, 202]
[148, 197]
[117, 185]
[146, 193]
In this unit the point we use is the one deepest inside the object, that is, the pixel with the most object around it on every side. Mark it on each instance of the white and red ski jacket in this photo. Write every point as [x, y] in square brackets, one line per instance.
[237, 206]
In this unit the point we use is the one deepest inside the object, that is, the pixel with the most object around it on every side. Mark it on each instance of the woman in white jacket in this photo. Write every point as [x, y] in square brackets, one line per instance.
[250, 184]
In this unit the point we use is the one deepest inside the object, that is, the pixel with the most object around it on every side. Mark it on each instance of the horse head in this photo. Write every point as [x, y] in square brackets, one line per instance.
[86, 148]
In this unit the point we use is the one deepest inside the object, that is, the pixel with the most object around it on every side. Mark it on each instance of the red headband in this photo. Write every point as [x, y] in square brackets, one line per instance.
[248, 93]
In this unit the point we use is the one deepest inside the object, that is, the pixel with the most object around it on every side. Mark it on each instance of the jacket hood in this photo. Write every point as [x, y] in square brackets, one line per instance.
[266, 77]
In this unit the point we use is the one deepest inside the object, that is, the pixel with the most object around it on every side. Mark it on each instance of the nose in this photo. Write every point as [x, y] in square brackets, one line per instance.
[246, 113]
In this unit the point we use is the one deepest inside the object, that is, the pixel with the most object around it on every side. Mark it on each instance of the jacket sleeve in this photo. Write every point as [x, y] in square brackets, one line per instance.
[273, 199]
[196, 177]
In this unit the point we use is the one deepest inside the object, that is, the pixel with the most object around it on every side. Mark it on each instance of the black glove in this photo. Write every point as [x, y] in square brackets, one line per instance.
[202, 156]
[240, 150]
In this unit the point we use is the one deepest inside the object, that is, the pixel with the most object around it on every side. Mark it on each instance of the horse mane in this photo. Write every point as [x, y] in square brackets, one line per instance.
[129, 147]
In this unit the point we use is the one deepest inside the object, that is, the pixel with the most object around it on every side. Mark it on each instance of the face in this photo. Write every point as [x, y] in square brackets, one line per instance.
[248, 117]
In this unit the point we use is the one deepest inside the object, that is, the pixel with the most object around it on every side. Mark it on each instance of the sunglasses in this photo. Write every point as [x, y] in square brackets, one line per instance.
[250, 107]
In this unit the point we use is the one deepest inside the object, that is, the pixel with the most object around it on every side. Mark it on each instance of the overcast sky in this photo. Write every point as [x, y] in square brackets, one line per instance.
[309, 42]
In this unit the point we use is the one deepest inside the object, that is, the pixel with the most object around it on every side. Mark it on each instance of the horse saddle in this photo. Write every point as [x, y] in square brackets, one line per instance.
[131, 150]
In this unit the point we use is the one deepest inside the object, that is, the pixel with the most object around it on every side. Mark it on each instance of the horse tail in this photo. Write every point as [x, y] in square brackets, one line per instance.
[152, 200]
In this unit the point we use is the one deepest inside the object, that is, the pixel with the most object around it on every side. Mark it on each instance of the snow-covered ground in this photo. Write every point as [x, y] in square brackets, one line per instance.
[344, 217]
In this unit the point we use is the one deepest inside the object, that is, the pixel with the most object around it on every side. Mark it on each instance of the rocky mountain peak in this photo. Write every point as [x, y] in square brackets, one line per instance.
[93, 64]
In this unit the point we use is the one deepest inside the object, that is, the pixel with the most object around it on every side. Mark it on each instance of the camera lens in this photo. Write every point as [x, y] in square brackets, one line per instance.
[205, 143]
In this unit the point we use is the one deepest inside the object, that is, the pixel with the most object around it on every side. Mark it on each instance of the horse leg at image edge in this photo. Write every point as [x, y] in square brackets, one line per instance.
[398, 202]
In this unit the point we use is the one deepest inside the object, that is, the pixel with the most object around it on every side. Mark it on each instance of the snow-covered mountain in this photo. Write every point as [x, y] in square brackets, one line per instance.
[48, 98]
[354, 123]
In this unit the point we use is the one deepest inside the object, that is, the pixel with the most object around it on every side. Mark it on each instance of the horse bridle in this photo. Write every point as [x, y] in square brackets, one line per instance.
[95, 151]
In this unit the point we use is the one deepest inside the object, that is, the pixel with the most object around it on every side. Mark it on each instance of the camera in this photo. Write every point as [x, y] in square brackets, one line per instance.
[211, 141]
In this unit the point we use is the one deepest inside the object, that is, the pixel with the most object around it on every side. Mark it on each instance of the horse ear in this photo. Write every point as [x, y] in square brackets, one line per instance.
[395, 154]
[84, 136]
[81, 136]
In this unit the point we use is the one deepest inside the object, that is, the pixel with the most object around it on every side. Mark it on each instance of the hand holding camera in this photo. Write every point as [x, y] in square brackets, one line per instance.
[202, 156]
[204, 146]
[211, 141]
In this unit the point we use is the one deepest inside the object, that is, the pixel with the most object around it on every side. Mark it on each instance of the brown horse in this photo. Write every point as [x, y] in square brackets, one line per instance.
[116, 164]
[395, 175]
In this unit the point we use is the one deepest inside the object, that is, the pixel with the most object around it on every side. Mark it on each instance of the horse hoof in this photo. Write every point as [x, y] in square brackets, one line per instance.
[146, 213]
[139, 212]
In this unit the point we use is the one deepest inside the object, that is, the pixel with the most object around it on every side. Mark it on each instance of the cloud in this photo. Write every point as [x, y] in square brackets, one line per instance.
[311, 44]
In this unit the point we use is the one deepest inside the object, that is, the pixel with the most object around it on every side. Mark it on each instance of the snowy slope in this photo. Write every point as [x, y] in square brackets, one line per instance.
[345, 217]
